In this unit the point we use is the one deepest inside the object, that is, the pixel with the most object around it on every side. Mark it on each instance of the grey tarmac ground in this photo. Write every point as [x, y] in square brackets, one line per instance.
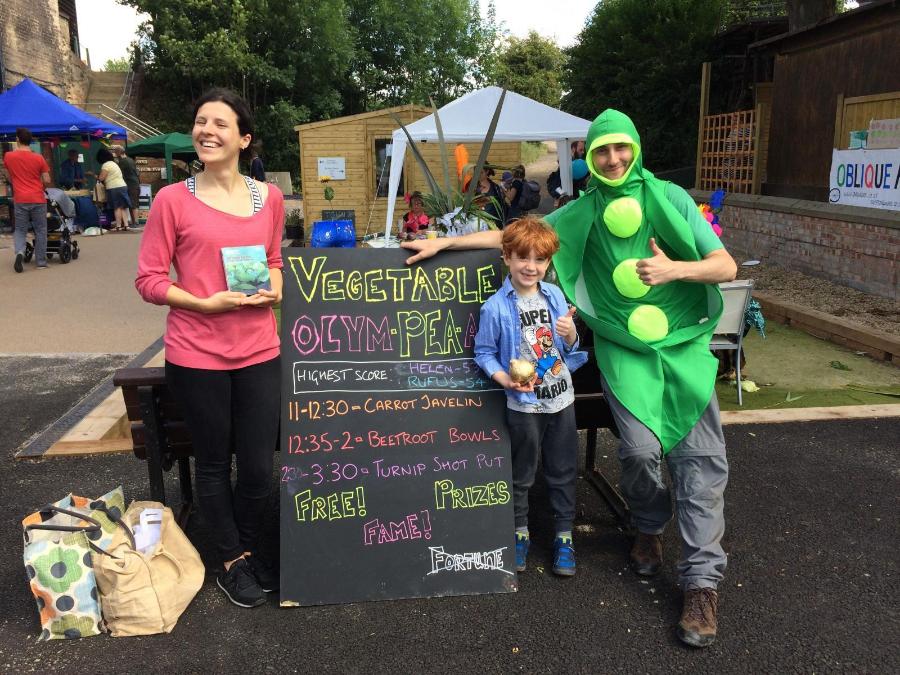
[812, 536]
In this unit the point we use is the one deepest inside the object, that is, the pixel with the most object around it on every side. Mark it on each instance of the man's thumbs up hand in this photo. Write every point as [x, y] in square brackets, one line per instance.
[659, 268]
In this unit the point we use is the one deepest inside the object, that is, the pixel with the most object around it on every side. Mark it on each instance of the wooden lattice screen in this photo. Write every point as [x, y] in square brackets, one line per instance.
[728, 152]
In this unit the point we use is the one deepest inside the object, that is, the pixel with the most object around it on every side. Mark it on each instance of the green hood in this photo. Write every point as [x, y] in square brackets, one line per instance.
[651, 343]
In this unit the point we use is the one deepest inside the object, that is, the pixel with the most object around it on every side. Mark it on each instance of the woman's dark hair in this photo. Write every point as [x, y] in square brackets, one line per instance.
[103, 156]
[23, 135]
[236, 103]
[518, 172]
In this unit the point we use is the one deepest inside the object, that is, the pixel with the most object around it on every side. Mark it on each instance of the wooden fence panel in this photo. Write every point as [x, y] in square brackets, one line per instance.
[728, 152]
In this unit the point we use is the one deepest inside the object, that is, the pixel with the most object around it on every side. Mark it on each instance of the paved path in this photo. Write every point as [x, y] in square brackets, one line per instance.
[87, 306]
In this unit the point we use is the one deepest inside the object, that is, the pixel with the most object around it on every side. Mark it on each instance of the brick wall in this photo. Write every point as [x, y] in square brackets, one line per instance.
[852, 246]
[33, 46]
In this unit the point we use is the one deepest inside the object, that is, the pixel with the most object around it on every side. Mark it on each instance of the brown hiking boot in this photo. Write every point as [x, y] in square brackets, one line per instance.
[698, 624]
[646, 554]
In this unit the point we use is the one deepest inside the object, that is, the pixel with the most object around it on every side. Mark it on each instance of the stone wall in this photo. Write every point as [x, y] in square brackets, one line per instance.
[849, 245]
[33, 45]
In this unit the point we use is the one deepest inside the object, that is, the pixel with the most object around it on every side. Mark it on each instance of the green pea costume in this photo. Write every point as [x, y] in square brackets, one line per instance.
[652, 342]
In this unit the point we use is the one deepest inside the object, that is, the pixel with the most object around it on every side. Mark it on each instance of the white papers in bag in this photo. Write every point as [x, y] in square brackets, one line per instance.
[146, 534]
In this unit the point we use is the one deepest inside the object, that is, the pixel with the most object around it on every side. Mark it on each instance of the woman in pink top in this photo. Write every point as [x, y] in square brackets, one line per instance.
[222, 347]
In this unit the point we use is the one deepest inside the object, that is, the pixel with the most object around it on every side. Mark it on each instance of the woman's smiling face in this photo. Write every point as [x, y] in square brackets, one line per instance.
[216, 135]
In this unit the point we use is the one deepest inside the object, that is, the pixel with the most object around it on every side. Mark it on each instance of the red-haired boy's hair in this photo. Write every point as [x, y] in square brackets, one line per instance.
[528, 234]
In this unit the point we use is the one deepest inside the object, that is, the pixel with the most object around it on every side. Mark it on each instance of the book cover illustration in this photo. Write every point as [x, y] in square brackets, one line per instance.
[246, 268]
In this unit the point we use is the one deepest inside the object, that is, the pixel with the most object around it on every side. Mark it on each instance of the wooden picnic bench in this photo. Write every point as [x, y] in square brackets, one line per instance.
[160, 435]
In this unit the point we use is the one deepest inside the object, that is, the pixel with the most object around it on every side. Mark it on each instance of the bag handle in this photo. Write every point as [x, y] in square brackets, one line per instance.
[93, 527]
[118, 521]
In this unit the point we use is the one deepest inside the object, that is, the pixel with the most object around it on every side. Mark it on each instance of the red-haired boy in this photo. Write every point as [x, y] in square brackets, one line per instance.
[530, 319]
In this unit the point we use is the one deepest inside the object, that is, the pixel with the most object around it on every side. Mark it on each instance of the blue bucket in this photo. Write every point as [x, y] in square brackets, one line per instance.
[333, 234]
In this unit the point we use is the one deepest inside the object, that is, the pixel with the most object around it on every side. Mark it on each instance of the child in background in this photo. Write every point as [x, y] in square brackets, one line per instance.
[529, 319]
[415, 221]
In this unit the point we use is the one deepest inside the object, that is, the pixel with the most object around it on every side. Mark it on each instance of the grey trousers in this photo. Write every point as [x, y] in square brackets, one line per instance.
[34, 215]
[698, 469]
[553, 438]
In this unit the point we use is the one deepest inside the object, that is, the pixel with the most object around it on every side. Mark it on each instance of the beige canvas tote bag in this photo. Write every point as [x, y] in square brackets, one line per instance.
[144, 592]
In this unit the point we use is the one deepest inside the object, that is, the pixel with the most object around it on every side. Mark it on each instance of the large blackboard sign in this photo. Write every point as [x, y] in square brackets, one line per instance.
[395, 476]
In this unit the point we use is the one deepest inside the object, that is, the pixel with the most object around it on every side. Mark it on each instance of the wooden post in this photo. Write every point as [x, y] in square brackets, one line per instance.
[704, 109]
[839, 123]
[757, 155]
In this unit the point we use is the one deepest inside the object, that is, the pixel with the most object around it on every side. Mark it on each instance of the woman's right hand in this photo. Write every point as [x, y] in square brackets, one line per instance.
[223, 301]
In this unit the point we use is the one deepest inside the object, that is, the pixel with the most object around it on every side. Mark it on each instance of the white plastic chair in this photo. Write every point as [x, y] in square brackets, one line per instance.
[729, 334]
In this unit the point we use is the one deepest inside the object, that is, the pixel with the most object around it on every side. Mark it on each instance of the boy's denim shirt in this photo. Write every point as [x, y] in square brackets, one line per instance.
[500, 334]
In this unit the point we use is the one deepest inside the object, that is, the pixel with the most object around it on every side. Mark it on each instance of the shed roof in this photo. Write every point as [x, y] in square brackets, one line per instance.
[409, 107]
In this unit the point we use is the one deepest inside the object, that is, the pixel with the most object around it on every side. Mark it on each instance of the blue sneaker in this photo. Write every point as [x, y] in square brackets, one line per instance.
[563, 557]
[522, 544]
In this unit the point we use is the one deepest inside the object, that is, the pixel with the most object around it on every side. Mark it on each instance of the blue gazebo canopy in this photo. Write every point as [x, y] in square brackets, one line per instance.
[42, 113]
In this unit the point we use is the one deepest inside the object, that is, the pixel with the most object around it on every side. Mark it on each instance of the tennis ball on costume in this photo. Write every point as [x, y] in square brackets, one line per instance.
[623, 216]
[521, 371]
[627, 281]
[648, 323]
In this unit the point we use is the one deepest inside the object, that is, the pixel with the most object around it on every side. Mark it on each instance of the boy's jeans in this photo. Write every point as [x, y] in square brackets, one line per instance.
[553, 438]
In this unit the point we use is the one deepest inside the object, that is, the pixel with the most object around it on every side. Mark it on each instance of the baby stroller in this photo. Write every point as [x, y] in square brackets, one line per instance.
[60, 226]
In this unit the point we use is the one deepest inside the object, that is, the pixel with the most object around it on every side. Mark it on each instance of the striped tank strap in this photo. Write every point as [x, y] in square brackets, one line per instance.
[255, 194]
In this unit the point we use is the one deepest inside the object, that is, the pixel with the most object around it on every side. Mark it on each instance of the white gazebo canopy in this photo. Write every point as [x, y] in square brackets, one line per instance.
[466, 120]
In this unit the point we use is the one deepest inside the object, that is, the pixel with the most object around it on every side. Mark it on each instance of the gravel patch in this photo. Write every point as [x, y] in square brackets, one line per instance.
[871, 311]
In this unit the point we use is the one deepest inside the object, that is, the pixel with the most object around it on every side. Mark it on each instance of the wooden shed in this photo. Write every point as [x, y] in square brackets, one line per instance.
[358, 147]
[828, 80]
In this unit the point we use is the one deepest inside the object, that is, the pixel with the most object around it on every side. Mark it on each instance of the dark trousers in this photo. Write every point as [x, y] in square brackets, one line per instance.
[231, 410]
[553, 438]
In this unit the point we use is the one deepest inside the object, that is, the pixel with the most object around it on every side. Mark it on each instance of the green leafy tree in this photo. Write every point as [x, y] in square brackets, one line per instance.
[408, 50]
[119, 65]
[643, 57]
[288, 58]
[533, 67]
[303, 60]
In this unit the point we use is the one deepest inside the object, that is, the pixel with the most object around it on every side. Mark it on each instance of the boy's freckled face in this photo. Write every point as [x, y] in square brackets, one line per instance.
[612, 160]
[526, 271]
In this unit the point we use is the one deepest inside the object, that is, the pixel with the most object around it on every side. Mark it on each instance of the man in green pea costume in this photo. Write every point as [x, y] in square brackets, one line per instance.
[642, 267]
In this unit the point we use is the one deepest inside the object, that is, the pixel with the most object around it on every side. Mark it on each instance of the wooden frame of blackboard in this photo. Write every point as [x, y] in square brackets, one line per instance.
[396, 479]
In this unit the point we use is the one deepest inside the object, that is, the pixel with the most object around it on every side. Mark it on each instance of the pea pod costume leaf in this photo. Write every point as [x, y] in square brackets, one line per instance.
[652, 342]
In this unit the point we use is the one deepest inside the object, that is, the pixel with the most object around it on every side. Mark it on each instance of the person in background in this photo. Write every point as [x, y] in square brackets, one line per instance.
[415, 221]
[71, 173]
[514, 194]
[29, 174]
[487, 189]
[577, 150]
[116, 188]
[529, 319]
[257, 168]
[132, 181]
[222, 348]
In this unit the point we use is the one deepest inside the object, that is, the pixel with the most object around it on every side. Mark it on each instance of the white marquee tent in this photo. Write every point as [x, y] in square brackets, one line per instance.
[466, 120]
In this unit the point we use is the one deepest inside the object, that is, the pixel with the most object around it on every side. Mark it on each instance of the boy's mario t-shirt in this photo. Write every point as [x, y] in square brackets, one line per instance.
[553, 387]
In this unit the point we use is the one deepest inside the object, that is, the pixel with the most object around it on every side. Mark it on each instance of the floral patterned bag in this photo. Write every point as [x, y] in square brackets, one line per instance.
[58, 561]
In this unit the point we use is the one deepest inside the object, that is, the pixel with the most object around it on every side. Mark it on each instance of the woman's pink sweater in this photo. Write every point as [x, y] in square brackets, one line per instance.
[186, 233]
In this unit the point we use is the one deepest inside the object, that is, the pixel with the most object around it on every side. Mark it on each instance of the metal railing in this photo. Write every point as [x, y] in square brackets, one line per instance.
[141, 128]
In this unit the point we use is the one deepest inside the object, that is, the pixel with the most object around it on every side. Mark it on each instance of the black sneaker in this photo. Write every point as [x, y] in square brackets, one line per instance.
[17, 266]
[240, 585]
[266, 575]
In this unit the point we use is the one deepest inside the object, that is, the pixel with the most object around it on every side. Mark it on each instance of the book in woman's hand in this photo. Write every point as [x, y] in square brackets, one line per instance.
[246, 269]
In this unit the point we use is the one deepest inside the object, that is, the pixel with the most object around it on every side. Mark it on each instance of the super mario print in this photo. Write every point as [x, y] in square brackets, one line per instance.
[548, 358]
